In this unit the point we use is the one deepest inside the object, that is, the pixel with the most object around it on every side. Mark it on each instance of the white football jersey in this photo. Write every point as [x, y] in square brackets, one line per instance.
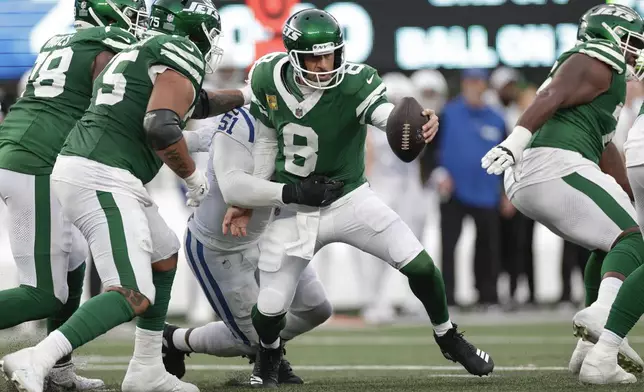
[237, 129]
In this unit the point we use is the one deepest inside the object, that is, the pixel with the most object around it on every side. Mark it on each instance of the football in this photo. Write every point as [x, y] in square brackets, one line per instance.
[404, 129]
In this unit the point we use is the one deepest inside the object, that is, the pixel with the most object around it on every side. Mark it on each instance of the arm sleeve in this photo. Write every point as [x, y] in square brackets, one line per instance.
[380, 115]
[236, 168]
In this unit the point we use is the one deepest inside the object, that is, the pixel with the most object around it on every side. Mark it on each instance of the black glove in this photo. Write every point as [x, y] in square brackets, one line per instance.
[315, 191]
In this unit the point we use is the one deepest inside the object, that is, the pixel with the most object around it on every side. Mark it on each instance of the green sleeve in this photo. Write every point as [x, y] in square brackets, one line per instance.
[181, 55]
[604, 51]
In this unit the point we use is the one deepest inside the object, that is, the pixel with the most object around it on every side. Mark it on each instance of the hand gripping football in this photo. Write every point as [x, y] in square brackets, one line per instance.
[405, 129]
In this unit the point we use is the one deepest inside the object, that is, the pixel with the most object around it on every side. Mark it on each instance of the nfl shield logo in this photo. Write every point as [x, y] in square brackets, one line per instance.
[299, 112]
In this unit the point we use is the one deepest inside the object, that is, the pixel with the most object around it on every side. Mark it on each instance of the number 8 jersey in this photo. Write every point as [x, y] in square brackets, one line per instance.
[322, 133]
[58, 92]
[111, 131]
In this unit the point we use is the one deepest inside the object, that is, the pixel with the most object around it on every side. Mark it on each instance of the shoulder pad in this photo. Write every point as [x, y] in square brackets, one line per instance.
[114, 38]
[180, 54]
[605, 51]
[265, 64]
[357, 76]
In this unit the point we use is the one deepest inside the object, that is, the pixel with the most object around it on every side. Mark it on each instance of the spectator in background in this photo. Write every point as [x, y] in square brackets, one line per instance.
[432, 93]
[469, 127]
[517, 230]
[399, 185]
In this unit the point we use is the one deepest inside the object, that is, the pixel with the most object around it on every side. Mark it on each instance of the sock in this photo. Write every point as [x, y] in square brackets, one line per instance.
[593, 275]
[628, 306]
[214, 339]
[441, 329]
[53, 347]
[273, 346]
[97, 316]
[75, 280]
[426, 282]
[268, 327]
[608, 290]
[147, 346]
[26, 303]
[626, 255]
[298, 323]
[610, 339]
[153, 319]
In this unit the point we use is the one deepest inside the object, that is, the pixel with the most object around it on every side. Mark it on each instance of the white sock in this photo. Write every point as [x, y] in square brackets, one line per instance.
[441, 329]
[273, 345]
[214, 339]
[608, 290]
[147, 346]
[54, 347]
[610, 339]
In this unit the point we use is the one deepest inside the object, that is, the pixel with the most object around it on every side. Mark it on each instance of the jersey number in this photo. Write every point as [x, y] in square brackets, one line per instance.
[114, 80]
[225, 125]
[300, 158]
[48, 76]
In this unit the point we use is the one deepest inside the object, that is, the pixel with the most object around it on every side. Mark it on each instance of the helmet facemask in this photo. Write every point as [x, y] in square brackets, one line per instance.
[631, 43]
[214, 55]
[296, 58]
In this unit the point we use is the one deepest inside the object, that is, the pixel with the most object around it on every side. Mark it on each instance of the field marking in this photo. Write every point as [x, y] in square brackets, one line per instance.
[106, 363]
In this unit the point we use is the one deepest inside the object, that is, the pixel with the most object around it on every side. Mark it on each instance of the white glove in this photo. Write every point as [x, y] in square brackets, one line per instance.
[247, 92]
[509, 152]
[197, 184]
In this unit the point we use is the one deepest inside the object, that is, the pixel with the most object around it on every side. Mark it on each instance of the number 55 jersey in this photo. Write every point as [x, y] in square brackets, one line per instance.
[111, 131]
[58, 92]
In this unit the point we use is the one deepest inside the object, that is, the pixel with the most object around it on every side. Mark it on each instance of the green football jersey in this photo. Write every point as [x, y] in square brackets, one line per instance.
[323, 134]
[58, 92]
[111, 131]
[587, 128]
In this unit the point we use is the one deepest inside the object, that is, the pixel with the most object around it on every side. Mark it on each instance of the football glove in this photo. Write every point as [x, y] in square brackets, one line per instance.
[197, 184]
[509, 152]
[314, 191]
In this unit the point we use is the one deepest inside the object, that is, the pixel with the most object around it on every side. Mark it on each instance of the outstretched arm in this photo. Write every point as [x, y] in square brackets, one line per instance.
[214, 103]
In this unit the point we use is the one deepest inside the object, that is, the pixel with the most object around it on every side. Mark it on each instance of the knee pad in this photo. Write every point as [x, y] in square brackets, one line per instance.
[271, 302]
[309, 296]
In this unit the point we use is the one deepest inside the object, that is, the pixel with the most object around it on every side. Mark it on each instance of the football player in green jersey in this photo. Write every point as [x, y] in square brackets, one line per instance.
[566, 174]
[139, 105]
[49, 252]
[312, 109]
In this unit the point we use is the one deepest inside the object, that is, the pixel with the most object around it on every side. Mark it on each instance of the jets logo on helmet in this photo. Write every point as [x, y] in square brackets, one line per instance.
[203, 8]
[291, 33]
[620, 12]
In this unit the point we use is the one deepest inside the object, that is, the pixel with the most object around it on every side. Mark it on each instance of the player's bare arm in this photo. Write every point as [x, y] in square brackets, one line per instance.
[214, 103]
[612, 164]
[171, 98]
[100, 62]
[579, 80]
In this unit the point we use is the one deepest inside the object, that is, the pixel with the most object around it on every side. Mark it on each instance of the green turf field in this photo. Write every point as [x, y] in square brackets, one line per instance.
[528, 357]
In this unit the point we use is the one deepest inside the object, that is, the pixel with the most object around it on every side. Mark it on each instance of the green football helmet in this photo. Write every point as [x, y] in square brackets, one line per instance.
[130, 15]
[197, 20]
[314, 32]
[617, 23]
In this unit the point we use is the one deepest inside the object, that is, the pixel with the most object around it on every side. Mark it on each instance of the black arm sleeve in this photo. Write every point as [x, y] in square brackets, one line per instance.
[202, 107]
[162, 128]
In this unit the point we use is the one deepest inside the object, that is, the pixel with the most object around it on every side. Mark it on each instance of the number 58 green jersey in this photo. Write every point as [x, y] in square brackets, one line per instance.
[323, 132]
[57, 94]
[111, 131]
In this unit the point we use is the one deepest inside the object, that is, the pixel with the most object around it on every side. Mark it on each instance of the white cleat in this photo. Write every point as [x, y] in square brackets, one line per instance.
[153, 378]
[63, 378]
[23, 370]
[600, 367]
[578, 356]
[588, 324]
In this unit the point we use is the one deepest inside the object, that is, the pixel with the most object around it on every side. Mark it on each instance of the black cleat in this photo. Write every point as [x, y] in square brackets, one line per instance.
[456, 349]
[267, 368]
[174, 359]
[286, 375]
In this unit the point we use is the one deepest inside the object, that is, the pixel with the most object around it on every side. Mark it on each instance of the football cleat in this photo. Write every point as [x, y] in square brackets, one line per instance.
[63, 378]
[600, 367]
[267, 368]
[578, 356]
[152, 378]
[286, 374]
[23, 370]
[174, 360]
[456, 349]
[588, 324]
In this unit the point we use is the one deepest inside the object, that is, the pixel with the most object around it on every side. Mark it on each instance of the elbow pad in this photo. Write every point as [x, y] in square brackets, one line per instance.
[162, 128]
[202, 107]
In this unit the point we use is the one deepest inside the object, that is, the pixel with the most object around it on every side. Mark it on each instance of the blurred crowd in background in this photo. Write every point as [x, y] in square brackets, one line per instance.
[476, 112]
